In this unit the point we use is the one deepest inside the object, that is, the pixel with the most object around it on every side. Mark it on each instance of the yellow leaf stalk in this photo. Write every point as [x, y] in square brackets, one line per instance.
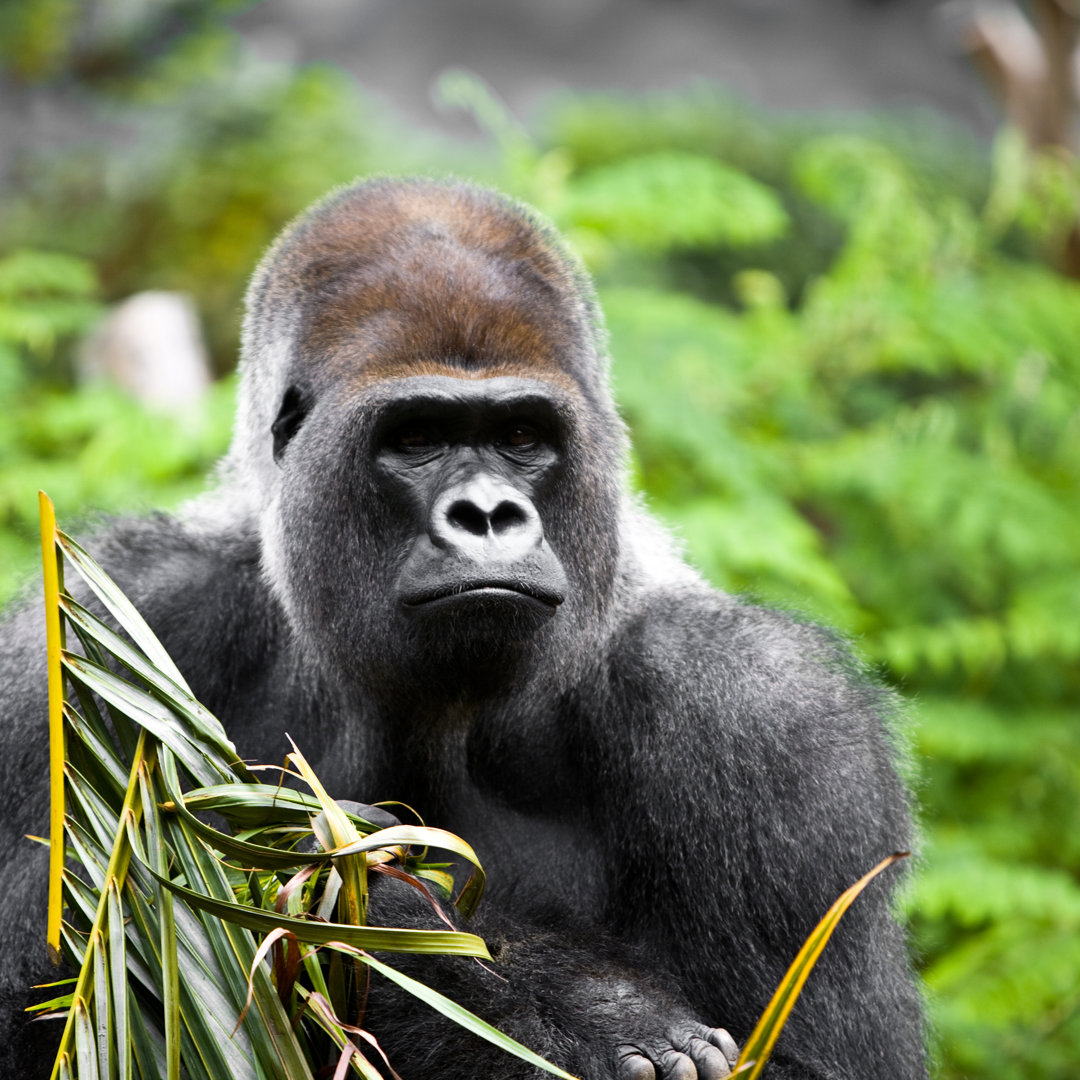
[51, 568]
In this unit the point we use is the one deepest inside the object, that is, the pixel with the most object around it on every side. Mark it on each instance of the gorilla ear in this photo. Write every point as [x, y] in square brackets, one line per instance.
[294, 409]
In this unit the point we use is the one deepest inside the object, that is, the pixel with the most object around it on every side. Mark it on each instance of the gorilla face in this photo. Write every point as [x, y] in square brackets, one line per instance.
[468, 465]
[450, 505]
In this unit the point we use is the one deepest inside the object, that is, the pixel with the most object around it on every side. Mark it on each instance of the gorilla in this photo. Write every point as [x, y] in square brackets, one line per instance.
[421, 559]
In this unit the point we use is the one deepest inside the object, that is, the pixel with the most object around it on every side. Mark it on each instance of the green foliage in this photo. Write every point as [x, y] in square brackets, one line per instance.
[851, 374]
[96, 449]
[93, 449]
[35, 35]
[43, 40]
[221, 150]
[675, 199]
[44, 297]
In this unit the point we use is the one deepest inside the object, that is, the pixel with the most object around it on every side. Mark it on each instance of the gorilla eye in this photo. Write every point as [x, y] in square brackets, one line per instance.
[416, 438]
[520, 436]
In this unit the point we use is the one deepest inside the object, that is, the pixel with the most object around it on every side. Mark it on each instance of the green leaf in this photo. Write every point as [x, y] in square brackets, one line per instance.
[473, 889]
[150, 713]
[122, 609]
[118, 982]
[447, 942]
[252, 805]
[174, 695]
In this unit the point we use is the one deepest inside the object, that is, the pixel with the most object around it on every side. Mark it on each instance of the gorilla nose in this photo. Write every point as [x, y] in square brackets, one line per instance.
[484, 513]
[507, 515]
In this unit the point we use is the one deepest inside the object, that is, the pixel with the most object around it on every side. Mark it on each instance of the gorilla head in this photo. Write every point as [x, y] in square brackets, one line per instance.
[427, 429]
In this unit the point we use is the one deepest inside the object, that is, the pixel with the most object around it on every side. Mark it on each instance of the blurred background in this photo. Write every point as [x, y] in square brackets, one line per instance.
[837, 246]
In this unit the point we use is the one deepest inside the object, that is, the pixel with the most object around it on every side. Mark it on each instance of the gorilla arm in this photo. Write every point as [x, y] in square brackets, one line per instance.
[573, 1001]
[24, 864]
[764, 786]
[739, 771]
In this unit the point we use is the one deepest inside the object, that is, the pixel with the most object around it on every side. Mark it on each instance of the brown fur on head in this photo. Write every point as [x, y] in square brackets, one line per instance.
[389, 278]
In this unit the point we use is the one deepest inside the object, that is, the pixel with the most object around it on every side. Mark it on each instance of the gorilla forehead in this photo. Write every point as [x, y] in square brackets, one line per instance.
[487, 391]
[425, 310]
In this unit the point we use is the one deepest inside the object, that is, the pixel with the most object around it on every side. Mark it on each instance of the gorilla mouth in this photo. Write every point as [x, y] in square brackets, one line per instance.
[484, 593]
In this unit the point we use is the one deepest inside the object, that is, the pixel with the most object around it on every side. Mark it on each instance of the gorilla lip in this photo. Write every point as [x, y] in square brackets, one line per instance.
[514, 592]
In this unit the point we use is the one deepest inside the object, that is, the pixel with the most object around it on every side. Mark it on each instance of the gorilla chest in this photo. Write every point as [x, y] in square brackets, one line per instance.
[520, 806]
[543, 866]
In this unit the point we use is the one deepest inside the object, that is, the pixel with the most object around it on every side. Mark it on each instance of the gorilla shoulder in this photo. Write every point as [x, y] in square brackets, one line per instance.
[200, 589]
[692, 635]
[757, 695]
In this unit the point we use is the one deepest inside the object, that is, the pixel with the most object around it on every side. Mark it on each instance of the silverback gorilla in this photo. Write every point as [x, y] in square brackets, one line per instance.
[422, 561]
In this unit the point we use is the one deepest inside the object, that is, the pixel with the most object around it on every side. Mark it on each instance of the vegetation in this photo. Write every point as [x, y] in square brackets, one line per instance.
[849, 366]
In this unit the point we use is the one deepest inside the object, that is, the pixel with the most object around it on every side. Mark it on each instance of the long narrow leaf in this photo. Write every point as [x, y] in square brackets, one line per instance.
[148, 712]
[422, 834]
[85, 1056]
[147, 1045]
[96, 815]
[253, 856]
[763, 1038]
[252, 805]
[118, 982]
[342, 834]
[233, 948]
[115, 871]
[319, 1007]
[80, 897]
[125, 731]
[93, 857]
[167, 947]
[445, 942]
[177, 697]
[98, 750]
[102, 1018]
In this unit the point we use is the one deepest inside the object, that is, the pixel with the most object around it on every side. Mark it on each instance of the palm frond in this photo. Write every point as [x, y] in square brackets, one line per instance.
[164, 912]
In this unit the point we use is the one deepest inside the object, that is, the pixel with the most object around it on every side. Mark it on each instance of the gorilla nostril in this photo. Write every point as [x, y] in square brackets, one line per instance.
[507, 516]
[468, 516]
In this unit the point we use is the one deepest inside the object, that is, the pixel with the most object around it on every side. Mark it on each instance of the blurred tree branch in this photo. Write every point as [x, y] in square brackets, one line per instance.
[1031, 60]
[1030, 64]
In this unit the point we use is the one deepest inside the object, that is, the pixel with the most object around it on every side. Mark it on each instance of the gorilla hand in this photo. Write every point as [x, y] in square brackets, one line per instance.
[688, 1051]
[649, 1044]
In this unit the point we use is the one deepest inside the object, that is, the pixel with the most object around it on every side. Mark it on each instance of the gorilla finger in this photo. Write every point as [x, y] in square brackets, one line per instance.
[712, 1064]
[724, 1043]
[634, 1065]
[676, 1066]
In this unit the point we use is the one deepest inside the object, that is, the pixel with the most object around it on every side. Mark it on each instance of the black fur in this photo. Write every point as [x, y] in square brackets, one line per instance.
[667, 787]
